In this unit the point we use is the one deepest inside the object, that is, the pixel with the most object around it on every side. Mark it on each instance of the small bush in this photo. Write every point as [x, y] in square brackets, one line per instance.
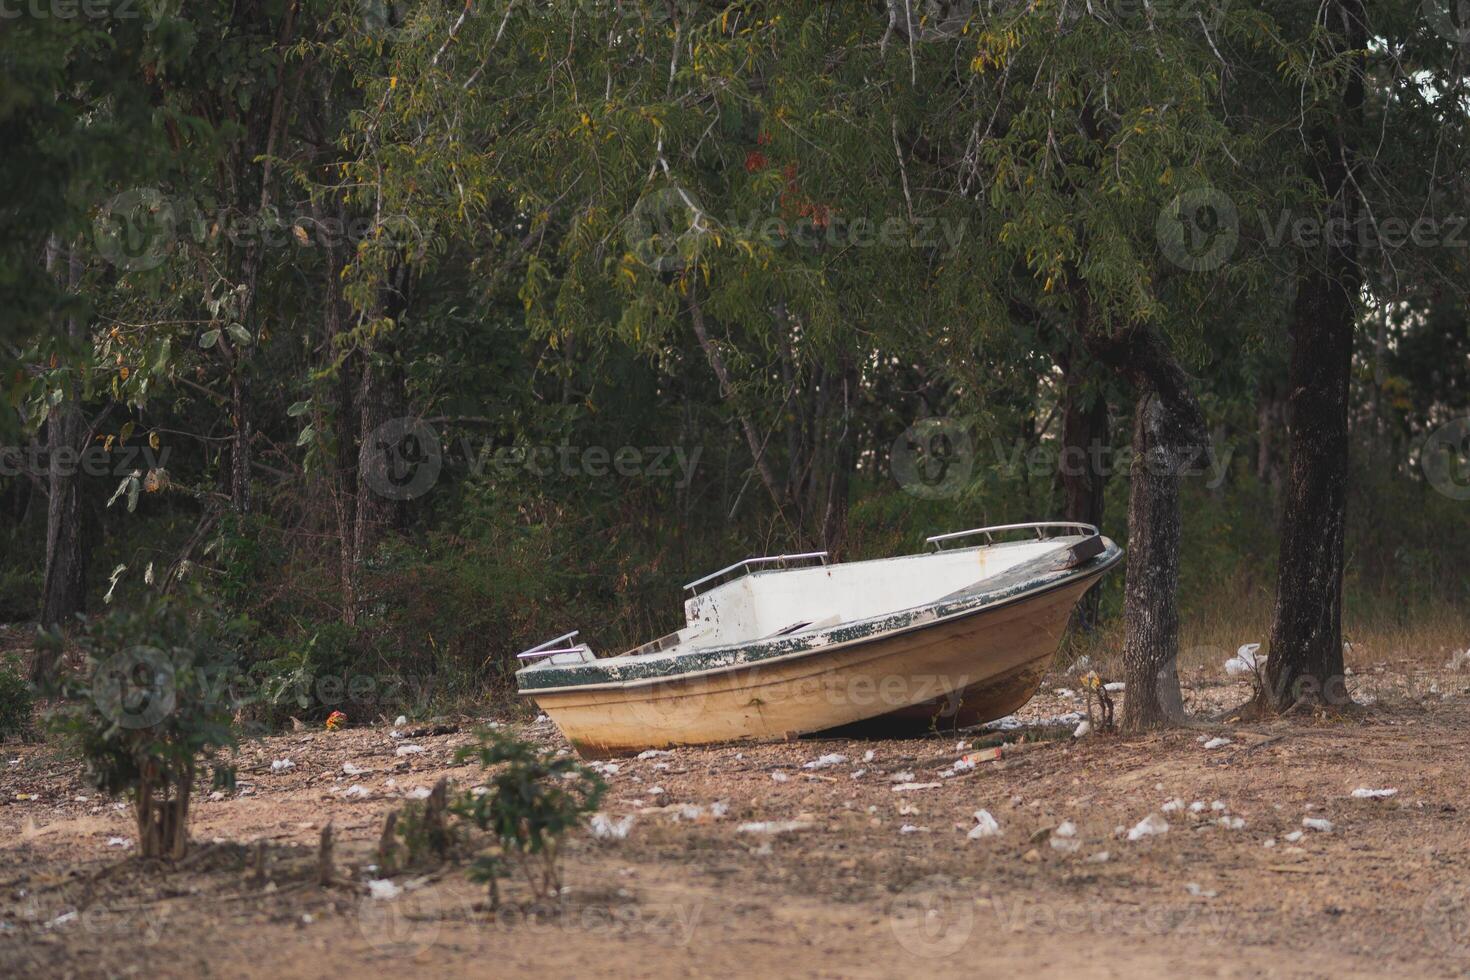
[528, 805]
[16, 700]
[154, 699]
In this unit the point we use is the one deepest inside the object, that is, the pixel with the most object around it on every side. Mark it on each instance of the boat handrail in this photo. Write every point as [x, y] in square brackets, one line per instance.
[767, 559]
[938, 540]
[550, 648]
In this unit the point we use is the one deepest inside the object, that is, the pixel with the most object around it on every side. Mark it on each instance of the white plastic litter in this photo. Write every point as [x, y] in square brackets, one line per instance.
[418, 793]
[1459, 660]
[910, 787]
[1219, 806]
[1064, 838]
[1197, 806]
[780, 777]
[119, 842]
[400, 721]
[869, 755]
[909, 828]
[383, 889]
[409, 750]
[1082, 730]
[1100, 857]
[356, 792]
[831, 759]
[1232, 823]
[985, 826]
[352, 769]
[1244, 661]
[1364, 793]
[1198, 892]
[1173, 806]
[1293, 837]
[654, 753]
[610, 828]
[282, 765]
[1217, 743]
[1317, 823]
[1115, 687]
[1150, 826]
[772, 826]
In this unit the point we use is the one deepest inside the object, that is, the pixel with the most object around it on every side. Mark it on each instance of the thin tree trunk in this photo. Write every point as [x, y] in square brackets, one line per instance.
[1305, 661]
[68, 546]
[1151, 612]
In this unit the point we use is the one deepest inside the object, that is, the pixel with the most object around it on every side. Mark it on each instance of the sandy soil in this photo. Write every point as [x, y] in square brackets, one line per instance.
[875, 882]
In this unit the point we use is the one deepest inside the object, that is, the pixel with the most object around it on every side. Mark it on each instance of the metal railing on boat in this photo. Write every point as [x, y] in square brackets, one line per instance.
[550, 648]
[1040, 527]
[781, 561]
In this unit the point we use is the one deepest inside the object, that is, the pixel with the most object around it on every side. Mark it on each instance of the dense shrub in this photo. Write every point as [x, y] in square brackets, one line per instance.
[16, 700]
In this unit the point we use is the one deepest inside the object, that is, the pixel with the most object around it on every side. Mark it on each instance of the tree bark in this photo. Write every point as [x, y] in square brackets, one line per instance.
[1151, 619]
[68, 545]
[1084, 439]
[1305, 660]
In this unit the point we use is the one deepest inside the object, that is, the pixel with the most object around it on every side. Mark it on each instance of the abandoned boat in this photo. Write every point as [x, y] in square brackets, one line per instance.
[791, 645]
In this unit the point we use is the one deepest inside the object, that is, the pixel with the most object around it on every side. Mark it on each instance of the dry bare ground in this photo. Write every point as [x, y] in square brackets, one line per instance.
[875, 882]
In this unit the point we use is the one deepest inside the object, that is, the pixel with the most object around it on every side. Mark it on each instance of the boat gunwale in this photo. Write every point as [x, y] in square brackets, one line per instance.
[955, 609]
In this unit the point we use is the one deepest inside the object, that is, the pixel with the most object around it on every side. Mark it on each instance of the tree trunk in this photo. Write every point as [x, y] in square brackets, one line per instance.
[68, 545]
[380, 401]
[1084, 440]
[1305, 660]
[1151, 613]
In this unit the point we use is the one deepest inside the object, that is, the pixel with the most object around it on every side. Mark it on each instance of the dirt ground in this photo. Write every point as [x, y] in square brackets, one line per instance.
[868, 879]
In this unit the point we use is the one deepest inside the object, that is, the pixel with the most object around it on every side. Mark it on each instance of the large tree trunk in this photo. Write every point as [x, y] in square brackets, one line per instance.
[1084, 441]
[1305, 660]
[1151, 612]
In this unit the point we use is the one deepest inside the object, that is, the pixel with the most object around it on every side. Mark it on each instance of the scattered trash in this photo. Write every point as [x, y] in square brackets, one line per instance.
[1293, 837]
[418, 793]
[353, 769]
[650, 753]
[409, 750]
[119, 842]
[1115, 687]
[773, 826]
[655, 791]
[909, 828]
[282, 765]
[1197, 806]
[1317, 823]
[1244, 661]
[902, 777]
[1194, 889]
[985, 826]
[400, 721]
[1150, 826]
[1219, 806]
[1364, 793]
[697, 813]
[357, 792]
[65, 918]
[980, 755]
[1064, 838]
[383, 889]
[1459, 660]
[1173, 806]
[1269, 842]
[910, 787]
[779, 777]
[1065, 692]
[831, 759]
[869, 755]
[609, 828]
[1082, 730]
[1216, 743]
[1101, 857]
[1232, 823]
[336, 720]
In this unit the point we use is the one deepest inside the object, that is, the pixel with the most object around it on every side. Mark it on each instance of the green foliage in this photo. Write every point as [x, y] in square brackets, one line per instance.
[17, 700]
[528, 804]
[155, 698]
